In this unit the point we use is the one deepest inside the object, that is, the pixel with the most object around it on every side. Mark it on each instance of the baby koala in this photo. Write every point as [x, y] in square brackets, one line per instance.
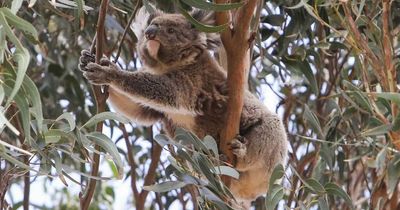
[182, 85]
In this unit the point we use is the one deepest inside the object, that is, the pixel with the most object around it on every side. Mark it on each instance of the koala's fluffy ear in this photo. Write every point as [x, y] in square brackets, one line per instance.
[142, 19]
[207, 18]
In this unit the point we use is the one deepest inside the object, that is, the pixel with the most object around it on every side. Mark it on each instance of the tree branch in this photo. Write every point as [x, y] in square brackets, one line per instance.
[100, 99]
[131, 161]
[127, 28]
[236, 43]
[151, 174]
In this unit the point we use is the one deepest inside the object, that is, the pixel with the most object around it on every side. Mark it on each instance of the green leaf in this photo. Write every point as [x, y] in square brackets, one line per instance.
[315, 186]
[393, 172]
[201, 4]
[105, 116]
[69, 118]
[58, 166]
[375, 131]
[198, 25]
[277, 173]
[211, 144]
[394, 97]
[4, 154]
[333, 189]
[322, 203]
[21, 24]
[55, 135]
[104, 142]
[165, 186]
[4, 121]
[225, 170]
[33, 94]
[23, 108]
[304, 68]
[15, 6]
[312, 120]
[274, 195]
[186, 137]
[22, 57]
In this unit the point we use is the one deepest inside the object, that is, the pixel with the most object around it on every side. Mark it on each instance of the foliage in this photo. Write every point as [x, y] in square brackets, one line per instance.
[332, 65]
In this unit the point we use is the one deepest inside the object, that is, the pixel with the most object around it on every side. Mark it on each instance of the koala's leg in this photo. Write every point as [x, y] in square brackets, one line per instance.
[134, 111]
[263, 145]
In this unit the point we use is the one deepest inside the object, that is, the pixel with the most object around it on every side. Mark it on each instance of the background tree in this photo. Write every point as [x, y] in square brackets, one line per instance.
[332, 65]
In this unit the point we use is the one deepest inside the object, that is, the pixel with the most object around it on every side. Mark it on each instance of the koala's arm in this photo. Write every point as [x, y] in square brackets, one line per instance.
[165, 93]
[134, 111]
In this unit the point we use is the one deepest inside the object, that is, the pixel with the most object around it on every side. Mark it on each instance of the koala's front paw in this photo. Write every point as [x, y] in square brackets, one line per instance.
[238, 145]
[102, 74]
[86, 58]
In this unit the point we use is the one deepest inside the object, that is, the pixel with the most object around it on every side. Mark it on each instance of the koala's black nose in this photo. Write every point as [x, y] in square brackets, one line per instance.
[151, 32]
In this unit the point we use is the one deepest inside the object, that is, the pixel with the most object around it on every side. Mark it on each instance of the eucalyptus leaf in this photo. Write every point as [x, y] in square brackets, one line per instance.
[202, 4]
[104, 142]
[333, 189]
[105, 116]
[165, 186]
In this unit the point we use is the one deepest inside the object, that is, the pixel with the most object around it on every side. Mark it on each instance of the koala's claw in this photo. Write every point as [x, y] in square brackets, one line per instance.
[239, 146]
[86, 58]
[97, 74]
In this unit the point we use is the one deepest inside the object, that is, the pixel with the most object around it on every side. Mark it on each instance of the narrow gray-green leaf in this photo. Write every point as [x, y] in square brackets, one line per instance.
[312, 120]
[104, 142]
[315, 186]
[274, 195]
[211, 144]
[277, 173]
[105, 116]
[21, 24]
[200, 26]
[379, 130]
[4, 121]
[201, 4]
[225, 170]
[69, 118]
[394, 97]
[165, 186]
[58, 165]
[33, 94]
[15, 5]
[55, 135]
[333, 189]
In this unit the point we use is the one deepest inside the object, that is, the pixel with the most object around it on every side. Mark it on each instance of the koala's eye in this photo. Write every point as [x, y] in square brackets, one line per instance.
[170, 30]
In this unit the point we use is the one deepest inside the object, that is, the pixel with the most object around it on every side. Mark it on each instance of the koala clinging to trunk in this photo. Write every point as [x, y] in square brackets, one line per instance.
[182, 85]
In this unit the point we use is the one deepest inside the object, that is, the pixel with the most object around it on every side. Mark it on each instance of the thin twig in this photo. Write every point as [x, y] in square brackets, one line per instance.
[126, 29]
[100, 99]
[151, 174]
[131, 161]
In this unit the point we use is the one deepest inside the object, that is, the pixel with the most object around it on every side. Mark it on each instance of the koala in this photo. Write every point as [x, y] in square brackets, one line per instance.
[181, 85]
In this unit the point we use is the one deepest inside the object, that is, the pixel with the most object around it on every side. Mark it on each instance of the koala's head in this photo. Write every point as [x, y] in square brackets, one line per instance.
[167, 40]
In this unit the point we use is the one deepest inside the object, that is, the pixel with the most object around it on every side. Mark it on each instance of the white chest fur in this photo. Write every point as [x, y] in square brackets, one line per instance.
[183, 120]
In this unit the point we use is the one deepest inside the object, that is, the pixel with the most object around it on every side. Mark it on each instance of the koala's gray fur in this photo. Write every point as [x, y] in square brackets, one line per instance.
[182, 85]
